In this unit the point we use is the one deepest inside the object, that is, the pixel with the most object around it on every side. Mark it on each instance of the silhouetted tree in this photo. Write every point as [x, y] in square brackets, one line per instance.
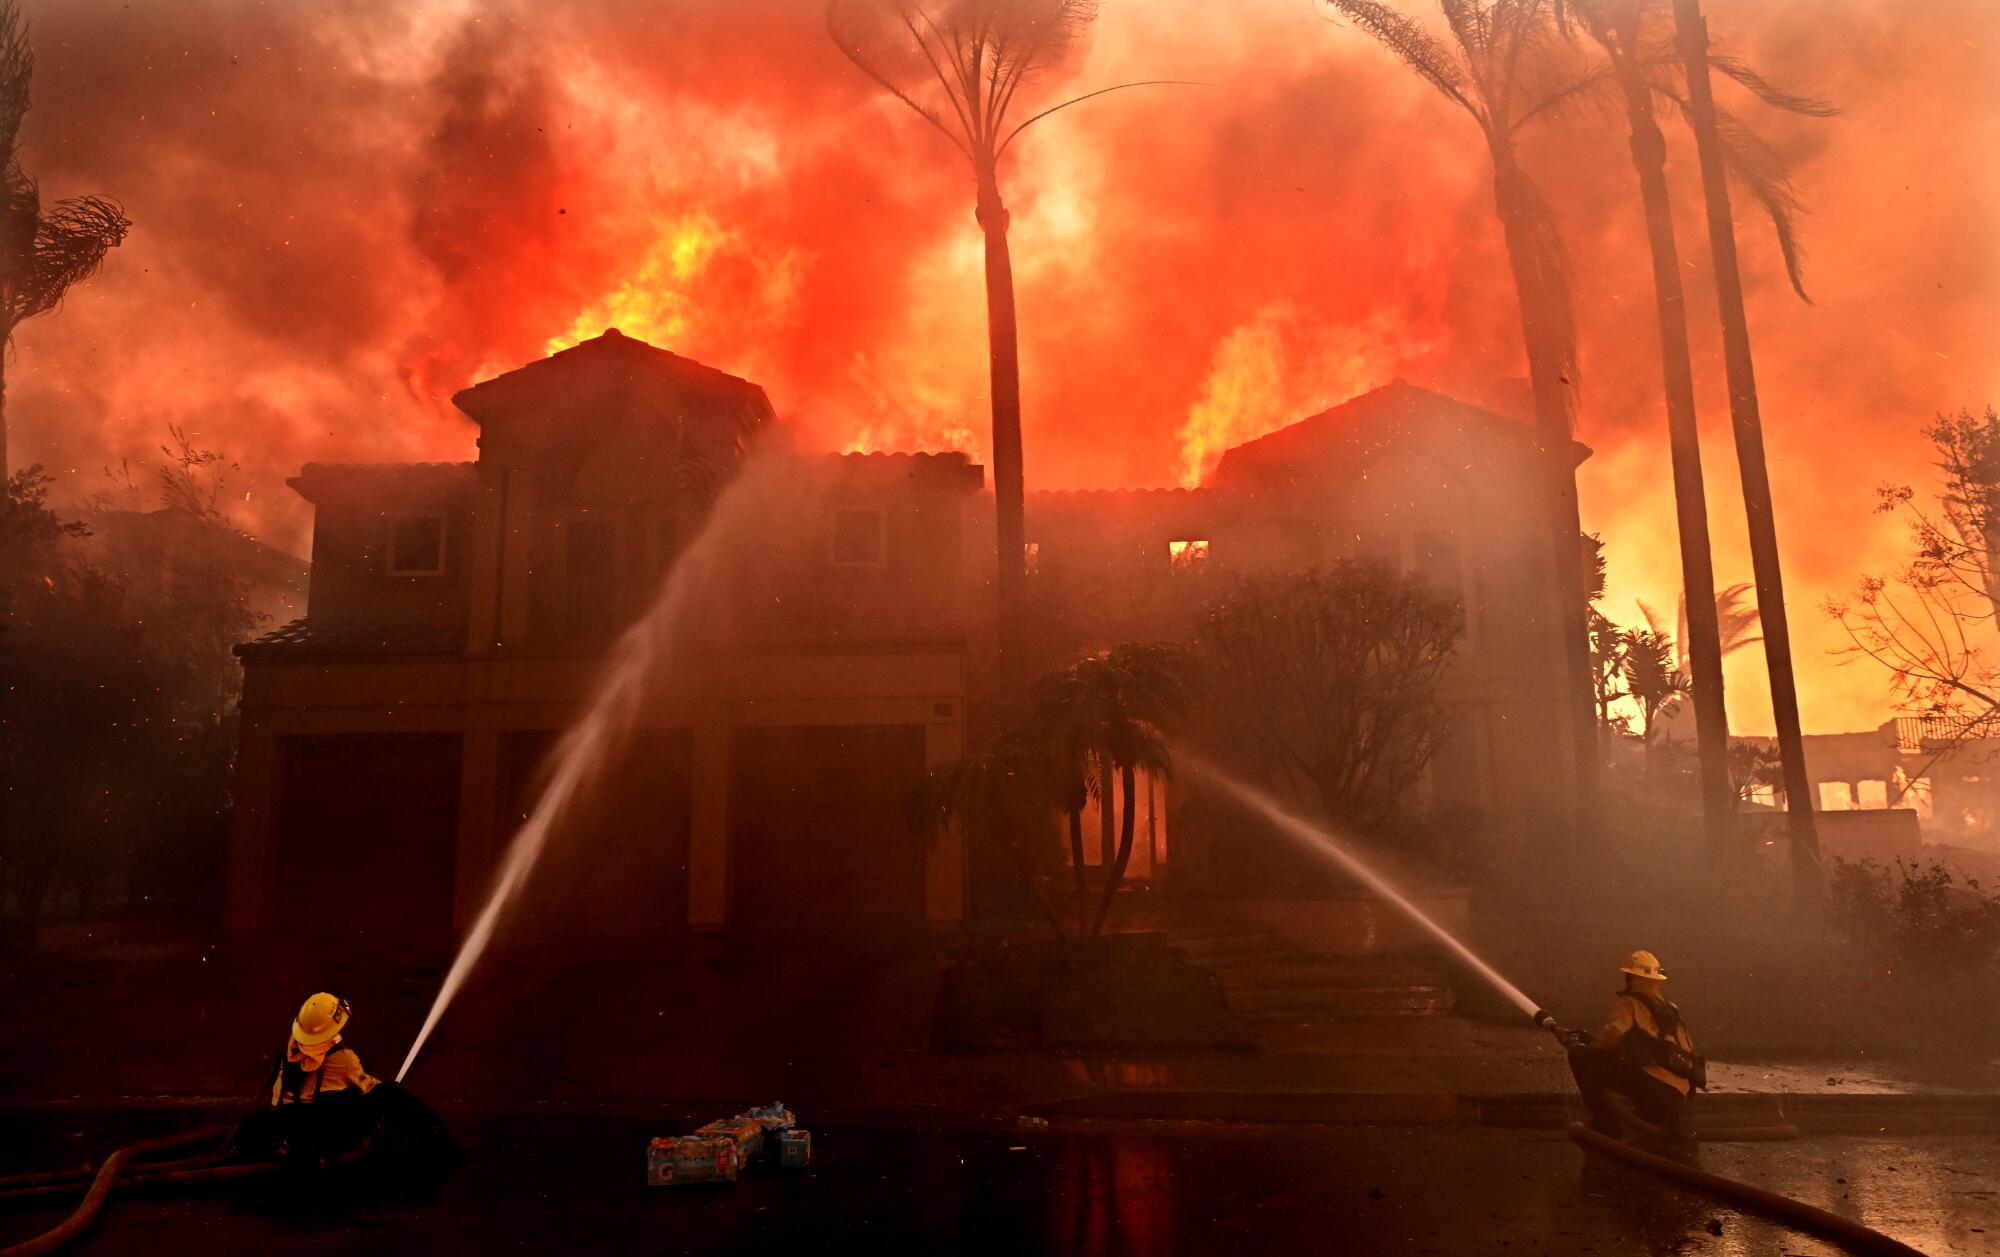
[1642, 63]
[1652, 678]
[959, 65]
[1714, 135]
[1127, 701]
[1932, 623]
[1325, 684]
[43, 252]
[1506, 66]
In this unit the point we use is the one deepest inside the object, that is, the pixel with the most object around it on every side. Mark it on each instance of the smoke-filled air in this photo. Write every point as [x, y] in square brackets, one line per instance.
[1107, 627]
[396, 200]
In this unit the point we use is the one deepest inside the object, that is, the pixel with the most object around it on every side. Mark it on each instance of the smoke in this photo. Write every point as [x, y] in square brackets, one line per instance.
[345, 213]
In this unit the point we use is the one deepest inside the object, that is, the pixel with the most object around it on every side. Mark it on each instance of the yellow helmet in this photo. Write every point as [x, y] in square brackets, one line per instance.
[1643, 964]
[320, 1018]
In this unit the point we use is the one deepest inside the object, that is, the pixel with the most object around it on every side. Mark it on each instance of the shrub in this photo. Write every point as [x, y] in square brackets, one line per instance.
[1927, 918]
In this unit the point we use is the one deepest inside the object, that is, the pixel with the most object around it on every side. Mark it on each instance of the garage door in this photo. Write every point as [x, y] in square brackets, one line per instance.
[819, 827]
[617, 867]
[368, 834]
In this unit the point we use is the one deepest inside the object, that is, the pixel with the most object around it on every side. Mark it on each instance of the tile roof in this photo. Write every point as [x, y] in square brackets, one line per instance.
[315, 478]
[315, 637]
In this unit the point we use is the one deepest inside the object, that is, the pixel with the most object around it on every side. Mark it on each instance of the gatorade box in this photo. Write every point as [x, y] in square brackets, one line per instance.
[795, 1149]
[673, 1160]
[743, 1132]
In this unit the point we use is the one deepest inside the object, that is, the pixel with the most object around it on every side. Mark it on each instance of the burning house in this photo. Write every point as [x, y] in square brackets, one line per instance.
[456, 620]
[392, 738]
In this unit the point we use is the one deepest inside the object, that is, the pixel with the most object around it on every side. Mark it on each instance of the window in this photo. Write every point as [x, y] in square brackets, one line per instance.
[860, 536]
[1187, 556]
[1871, 794]
[1836, 796]
[416, 544]
[590, 572]
[1031, 557]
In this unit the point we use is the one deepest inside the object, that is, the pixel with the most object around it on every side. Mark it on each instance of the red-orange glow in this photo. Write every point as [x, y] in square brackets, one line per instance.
[341, 220]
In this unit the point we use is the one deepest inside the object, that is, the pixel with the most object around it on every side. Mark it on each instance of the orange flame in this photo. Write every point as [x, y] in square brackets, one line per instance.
[655, 303]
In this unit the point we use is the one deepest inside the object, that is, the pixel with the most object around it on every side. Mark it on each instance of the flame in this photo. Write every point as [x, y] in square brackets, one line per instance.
[1283, 365]
[656, 303]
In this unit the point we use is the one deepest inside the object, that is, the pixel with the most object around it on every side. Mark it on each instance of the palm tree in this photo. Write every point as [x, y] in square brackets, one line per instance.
[1115, 709]
[1713, 135]
[1641, 65]
[959, 64]
[1505, 69]
[1062, 728]
[1004, 797]
[42, 253]
[1653, 678]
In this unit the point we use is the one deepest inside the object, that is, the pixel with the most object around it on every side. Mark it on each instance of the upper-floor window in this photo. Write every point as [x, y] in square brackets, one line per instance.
[1190, 555]
[860, 536]
[416, 544]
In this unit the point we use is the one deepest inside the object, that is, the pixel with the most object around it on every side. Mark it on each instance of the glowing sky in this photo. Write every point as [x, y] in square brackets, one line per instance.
[345, 213]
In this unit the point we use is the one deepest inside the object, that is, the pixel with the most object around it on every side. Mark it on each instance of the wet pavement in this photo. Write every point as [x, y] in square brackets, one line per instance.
[571, 1183]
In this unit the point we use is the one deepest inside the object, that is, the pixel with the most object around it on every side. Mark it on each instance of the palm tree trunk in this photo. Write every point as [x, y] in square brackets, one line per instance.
[1545, 320]
[1082, 876]
[1711, 718]
[6, 468]
[1107, 816]
[1114, 874]
[1004, 352]
[1808, 884]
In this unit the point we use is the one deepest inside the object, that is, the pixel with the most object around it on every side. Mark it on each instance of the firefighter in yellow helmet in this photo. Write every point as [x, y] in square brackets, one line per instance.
[1640, 1070]
[323, 1102]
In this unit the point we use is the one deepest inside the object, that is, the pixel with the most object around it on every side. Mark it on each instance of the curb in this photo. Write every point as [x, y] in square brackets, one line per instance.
[1725, 1116]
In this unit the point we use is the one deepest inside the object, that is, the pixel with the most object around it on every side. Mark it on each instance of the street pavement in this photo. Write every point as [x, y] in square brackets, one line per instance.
[571, 1182]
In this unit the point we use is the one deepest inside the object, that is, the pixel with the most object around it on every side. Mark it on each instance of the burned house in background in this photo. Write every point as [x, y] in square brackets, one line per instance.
[392, 738]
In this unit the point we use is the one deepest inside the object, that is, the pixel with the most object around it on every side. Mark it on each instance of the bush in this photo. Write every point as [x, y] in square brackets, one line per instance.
[1927, 918]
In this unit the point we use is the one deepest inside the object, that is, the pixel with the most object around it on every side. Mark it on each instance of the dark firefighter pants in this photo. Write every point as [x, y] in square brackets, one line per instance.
[338, 1121]
[1600, 1073]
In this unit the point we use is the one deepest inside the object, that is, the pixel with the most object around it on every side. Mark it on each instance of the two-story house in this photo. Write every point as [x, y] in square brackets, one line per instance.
[459, 616]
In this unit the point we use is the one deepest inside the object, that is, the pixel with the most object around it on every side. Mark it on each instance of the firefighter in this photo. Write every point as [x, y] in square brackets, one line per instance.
[1641, 1069]
[322, 1102]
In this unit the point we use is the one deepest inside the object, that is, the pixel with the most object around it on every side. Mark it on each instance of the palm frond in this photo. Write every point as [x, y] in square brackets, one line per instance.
[70, 243]
[1763, 89]
[1407, 39]
[1765, 174]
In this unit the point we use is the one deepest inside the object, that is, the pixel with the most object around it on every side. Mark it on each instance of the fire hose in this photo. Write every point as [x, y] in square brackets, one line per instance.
[125, 1168]
[1793, 1213]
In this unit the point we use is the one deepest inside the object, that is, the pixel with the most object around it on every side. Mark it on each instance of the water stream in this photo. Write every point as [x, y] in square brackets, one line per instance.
[1324, 843]
[629, 677]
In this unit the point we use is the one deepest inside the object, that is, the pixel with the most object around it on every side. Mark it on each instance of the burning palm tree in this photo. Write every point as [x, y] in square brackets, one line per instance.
[1640, 61]
[960, 66]
[43, 252]
[1506, 67]
[1715, 135]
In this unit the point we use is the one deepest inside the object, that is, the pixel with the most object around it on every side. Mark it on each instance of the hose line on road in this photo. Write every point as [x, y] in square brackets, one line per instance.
[100, 1190]
[1796, 1213]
